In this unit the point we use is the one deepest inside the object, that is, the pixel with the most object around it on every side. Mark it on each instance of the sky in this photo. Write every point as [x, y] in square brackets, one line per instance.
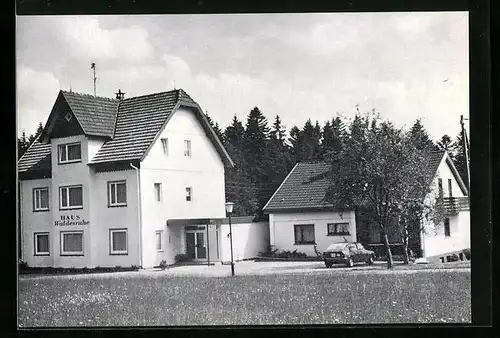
[297, 66]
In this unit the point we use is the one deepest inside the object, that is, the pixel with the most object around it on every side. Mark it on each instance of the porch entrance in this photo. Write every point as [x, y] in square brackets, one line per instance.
[196, 242]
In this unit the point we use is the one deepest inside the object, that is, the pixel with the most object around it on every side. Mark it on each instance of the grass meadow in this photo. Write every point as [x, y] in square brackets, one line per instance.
[343, 298]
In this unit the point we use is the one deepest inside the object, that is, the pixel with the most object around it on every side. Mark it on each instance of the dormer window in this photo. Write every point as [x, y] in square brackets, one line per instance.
[68, 117]
[69, 153]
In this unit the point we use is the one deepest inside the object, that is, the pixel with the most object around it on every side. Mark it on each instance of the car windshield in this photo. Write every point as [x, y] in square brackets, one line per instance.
[337, 246]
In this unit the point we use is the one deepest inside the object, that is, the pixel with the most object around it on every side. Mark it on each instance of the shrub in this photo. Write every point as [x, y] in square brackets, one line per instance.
[467, 253]
[269, 253]
[318, 254]
[163, 264]
[180, 258]
[23, 265]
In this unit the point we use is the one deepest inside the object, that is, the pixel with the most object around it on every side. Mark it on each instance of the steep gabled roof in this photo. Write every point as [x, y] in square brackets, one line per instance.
[306, 185]
[96, 115]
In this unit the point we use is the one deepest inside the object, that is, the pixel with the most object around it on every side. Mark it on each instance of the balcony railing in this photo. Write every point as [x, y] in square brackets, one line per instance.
[453, 205]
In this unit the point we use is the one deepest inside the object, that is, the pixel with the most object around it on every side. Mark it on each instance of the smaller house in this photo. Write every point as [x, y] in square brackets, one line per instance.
[301, 219]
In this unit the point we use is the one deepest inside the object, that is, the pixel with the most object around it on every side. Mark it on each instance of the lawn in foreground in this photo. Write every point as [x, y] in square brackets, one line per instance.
[343, 298]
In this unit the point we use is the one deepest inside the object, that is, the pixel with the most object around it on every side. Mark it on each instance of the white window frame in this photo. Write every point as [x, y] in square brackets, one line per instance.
[72, 253]
[304, 242]
[158, 193]
[112, 250]
[159, 232]
[189, 194]
[335, 228]
[116, 203]
[164, 144]
[35, 243]
[69, 207]
[64, 148]
[37, 198]
[187, 148]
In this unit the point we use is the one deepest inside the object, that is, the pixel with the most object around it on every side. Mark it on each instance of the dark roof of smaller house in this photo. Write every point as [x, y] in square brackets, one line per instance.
[96, 115]
[36, 158]
[304, 187]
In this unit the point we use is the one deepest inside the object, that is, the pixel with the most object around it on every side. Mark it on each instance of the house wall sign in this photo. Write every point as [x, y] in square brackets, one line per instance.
[69, 220]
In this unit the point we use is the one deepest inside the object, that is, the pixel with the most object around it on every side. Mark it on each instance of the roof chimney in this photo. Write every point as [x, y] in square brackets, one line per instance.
[120, 95]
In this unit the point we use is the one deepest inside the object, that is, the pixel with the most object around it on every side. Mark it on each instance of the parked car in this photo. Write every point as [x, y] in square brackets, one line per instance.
[347, 253]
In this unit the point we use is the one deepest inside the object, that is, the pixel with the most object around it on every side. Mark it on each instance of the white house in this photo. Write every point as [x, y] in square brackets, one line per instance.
[124, 182]
[300, 218]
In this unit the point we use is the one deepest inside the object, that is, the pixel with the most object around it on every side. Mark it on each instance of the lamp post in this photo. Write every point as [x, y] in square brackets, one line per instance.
[229, 210]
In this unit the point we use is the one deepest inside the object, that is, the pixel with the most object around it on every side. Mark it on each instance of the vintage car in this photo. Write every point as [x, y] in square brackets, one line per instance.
[347, 253]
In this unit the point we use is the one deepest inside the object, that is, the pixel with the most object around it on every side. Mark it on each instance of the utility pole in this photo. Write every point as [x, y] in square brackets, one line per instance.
[92, 66]
[466, 150]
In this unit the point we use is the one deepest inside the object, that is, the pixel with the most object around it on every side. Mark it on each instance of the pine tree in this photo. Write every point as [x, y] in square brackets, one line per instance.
[278, 131]
[235, 133]
[239, 188]
[22, 145]
[215, 126]
[296, 140]
[277, 160]
[420, 137]
[255, 151]
[446, 143]
[332, 137]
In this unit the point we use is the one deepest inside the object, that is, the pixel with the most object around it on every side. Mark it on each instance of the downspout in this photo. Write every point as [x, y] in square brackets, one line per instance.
[139, 212]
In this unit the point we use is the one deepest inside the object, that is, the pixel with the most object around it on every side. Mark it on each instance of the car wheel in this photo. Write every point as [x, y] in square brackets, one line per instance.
[350, 263]
[370, 260]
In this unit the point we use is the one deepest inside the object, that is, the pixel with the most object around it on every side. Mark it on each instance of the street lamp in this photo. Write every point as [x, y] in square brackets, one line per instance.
[229, 210]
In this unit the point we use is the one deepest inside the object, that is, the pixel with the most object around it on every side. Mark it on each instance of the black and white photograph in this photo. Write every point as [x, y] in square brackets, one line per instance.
[243, 169]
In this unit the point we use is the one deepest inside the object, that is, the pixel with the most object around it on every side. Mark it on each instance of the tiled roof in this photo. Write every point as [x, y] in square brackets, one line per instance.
[37, 158]
[434, 159]
[139, 120]
[96, 115]
[307, 184]
[305, 187]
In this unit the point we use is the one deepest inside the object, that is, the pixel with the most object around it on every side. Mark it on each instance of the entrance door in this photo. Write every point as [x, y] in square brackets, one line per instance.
[195, 245]
[201, 250]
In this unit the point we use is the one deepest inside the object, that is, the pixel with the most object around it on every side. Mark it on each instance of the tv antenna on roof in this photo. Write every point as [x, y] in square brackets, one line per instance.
[92, 66]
